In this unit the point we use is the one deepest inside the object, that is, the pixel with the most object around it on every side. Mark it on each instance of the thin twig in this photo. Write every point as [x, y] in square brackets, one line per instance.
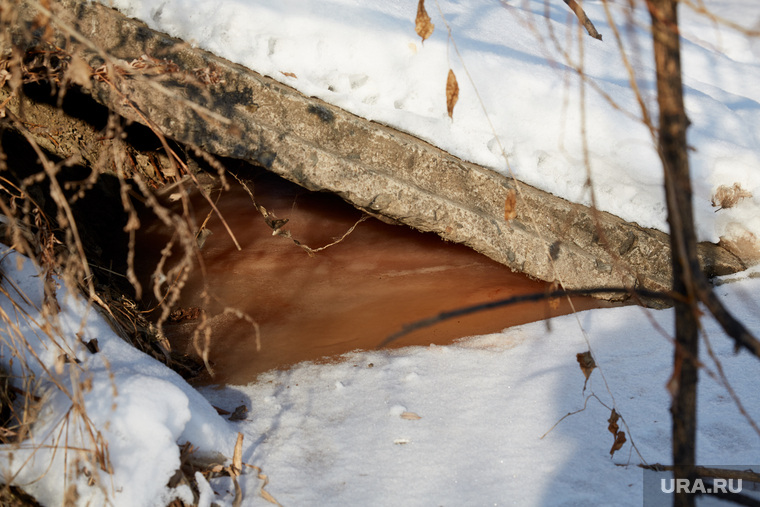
[583, 19]
[538, 296]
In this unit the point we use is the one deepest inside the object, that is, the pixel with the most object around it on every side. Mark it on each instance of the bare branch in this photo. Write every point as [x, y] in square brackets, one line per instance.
[583, 19]
[538, 296]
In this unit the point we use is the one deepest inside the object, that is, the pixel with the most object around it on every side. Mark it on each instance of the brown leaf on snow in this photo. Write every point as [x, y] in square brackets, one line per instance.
[619, 441]
[452, 93]
[615, 430]
[586, 362]
[727, 197]
[613, 426]
[240, 413]
[422, 24]
[410, 416]
[510, 205]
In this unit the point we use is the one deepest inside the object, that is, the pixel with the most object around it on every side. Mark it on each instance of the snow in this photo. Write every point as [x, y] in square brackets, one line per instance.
[456, 425]
[131, 401]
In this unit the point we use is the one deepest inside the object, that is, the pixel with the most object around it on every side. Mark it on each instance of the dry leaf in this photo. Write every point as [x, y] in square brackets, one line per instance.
[92, 345]
[290, 74]
[452, 93]
[410, 416]
[510, 205]
[587, 363]
[266, 495]
[619, 441]
[237, 456]
[615, 430]
[240, 413]
[613, 425]
[727, 197]
[422, 24]
[265, 479]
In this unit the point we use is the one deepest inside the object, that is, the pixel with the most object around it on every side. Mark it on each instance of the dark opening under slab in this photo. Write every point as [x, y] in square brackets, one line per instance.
[349, 296]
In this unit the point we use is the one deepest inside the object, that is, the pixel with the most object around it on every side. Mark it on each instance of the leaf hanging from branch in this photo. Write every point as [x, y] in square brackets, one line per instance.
[452, 93]
[619, 441]
[587, 364]
[614, 428]
[422, 24]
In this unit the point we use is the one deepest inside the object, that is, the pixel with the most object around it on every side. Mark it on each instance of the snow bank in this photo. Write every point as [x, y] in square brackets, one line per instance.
[136, 410]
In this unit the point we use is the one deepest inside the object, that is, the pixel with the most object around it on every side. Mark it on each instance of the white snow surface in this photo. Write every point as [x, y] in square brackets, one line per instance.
[366, 58]
[138, 406]
[455, 425]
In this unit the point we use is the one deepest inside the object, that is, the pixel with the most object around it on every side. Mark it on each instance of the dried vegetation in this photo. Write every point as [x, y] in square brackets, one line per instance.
[75, 181]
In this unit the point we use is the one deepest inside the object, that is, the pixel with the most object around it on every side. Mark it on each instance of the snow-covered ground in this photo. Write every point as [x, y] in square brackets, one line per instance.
[457, 425]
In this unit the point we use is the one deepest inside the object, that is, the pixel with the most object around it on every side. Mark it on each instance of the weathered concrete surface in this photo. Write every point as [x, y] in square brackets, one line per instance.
[231, 111]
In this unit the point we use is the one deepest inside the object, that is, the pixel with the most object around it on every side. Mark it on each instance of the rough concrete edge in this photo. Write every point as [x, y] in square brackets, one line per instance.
[248, 116]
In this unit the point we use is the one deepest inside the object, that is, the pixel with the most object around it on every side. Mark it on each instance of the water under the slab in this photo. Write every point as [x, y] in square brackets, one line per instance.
[350, 296]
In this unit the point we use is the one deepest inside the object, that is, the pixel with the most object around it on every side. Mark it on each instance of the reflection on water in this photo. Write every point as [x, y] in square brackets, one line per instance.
[350, 296]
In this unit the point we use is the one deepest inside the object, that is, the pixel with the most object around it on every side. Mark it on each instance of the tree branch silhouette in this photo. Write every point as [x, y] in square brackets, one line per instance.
[524, 298]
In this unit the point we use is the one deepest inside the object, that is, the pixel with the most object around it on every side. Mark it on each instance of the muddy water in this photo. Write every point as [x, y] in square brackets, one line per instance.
[349, 296]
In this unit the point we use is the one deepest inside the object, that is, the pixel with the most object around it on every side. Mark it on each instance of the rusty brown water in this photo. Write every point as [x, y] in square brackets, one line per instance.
[347, 297]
